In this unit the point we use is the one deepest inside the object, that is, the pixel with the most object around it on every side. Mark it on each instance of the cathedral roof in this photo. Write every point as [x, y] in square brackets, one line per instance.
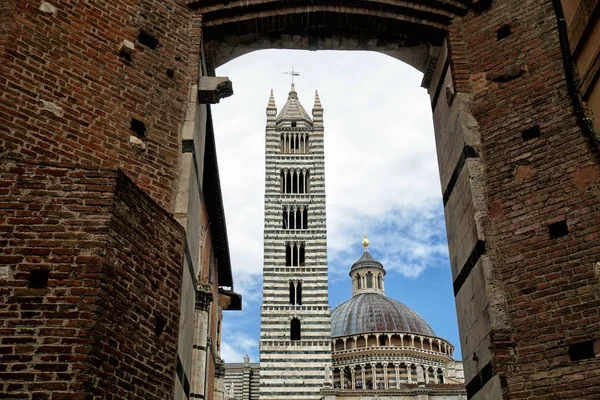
[370, 310]
[293, 110]
[375, 312]
[366, 261]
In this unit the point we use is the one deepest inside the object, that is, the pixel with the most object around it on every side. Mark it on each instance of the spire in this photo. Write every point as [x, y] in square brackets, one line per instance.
[292, 113]
[271, 101]
[317, 113]
[317, 105]
[271, 111]
[293, 95]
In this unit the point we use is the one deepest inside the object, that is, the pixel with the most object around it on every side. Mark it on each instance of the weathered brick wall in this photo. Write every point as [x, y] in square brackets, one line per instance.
[541, 187]
[69, 96]
[113, 262]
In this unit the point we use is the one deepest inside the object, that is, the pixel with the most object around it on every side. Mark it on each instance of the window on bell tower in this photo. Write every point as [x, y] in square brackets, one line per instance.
[294, 217]
[295, 329]
[294, 143]
[294, 254]
[294, 181]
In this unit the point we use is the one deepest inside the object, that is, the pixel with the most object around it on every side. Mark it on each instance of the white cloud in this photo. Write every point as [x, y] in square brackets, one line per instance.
[237, 346]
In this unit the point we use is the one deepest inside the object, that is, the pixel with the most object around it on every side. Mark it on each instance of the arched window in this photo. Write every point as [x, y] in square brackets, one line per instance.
[299, 294]
[295, 329]
[379, 286]
[288, 254]
[359, 281]
[296, 293]
[369, 280]
[382, 340]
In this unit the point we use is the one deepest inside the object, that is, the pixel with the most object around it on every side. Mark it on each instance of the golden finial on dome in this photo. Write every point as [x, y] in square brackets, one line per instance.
[365, 242]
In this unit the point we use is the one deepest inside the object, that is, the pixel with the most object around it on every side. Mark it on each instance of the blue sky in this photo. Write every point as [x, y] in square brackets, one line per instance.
[381, 176]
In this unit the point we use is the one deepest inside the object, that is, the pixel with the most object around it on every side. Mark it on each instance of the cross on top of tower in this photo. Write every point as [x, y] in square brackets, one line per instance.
[292, 73]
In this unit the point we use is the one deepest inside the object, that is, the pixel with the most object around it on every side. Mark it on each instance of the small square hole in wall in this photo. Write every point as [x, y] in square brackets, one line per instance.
[558, 229]
[503, 32]
[582, 351]
[138, 127]
[38, 279]
[531, 133]
[171, 73]
[160, 323]
[148, 40]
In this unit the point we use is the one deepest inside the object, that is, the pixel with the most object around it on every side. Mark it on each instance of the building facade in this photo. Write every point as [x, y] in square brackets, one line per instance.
[294, 335]
[380, 347]
[242, 380]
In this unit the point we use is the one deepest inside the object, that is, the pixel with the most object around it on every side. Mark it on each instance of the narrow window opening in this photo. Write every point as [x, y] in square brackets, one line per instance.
[171, 73]
[369, 280]
[531, 133]
[38, 279]
[503, 32]
[582, 351]
[138, 127]
[288, 188]
[359, 281]
[293, 124]
[148, 40]
[284, 223]
[292, 294]
[299, 294]
[382, 340]
[302, 256]
[295, 329]
[294, 182]
[295, 255]
[558, 229]
[379, 285]
[159, 324]
[305, 218]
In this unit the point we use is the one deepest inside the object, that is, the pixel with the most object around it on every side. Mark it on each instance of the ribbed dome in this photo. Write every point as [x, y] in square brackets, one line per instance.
[374, 312]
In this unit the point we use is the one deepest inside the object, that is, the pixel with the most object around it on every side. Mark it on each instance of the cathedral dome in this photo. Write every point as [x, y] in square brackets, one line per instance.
[375, 312]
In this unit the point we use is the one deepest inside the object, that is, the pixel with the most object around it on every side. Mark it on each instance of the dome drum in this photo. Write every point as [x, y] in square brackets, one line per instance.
[392, 342]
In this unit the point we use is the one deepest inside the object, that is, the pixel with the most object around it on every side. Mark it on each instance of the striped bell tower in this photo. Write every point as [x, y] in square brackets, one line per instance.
[295, 349]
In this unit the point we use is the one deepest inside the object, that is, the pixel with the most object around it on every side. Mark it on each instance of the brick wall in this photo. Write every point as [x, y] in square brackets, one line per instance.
[112, 258]
[541, 184]
[69, 96]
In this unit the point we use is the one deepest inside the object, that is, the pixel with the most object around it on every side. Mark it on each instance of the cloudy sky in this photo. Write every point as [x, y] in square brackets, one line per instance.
[381, 176]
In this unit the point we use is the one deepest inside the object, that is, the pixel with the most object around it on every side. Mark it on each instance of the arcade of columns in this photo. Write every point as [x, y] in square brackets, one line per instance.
[386, 360]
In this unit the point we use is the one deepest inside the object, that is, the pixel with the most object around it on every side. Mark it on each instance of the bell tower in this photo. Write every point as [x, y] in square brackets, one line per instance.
[295, 350]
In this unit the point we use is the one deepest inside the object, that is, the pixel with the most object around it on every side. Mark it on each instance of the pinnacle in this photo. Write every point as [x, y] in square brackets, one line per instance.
[317, 100]
[271, 100]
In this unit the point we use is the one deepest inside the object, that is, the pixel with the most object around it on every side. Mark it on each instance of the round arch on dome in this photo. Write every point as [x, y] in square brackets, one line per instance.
[373, 312]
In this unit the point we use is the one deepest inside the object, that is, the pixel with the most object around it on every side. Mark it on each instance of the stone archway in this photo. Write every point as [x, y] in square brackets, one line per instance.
[515, 168]
[81, 94]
